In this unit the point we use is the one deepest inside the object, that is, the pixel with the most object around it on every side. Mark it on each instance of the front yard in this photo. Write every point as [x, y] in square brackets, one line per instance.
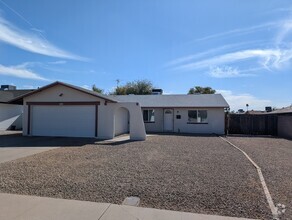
[200, 174]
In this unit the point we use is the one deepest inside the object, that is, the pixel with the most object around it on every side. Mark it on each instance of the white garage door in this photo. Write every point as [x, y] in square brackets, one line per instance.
[66, 121]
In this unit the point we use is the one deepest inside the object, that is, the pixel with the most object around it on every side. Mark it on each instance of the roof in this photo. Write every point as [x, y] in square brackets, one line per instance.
[282, 111]
[201, 100]
[255, 112]
[7, 95]
[20, 98]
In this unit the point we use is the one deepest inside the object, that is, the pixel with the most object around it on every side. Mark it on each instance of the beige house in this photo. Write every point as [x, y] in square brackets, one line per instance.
[60, 109]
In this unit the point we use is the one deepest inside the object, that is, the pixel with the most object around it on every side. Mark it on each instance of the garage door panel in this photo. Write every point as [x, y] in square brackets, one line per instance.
[67, 121]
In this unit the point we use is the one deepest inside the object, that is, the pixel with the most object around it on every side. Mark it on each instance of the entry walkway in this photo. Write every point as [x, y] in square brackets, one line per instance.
[21, 207]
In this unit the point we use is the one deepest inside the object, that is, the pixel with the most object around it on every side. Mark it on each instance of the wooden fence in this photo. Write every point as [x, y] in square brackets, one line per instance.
[251, 124]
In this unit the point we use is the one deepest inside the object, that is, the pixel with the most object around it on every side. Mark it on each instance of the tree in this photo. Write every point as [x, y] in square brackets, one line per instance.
[139, 87]
[201, 90]
[98, 90]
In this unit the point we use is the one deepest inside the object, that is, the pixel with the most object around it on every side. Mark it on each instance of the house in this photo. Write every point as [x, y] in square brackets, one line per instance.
[10, 114]
[284, 116]
[201, 113]
[61, 109]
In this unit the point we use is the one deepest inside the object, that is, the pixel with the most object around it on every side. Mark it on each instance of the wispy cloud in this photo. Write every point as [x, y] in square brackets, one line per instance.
[227, 61]
[58, 62]
[31, 42]
[268, 57]
[239, 101]
[238, 31]
[229, 72]
[20, 72]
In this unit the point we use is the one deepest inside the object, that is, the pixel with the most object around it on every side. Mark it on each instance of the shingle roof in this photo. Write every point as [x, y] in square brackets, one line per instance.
[202, 100]
[7, 95]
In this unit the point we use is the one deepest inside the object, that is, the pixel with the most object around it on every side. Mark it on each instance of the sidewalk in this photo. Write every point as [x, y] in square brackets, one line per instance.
[20, 207]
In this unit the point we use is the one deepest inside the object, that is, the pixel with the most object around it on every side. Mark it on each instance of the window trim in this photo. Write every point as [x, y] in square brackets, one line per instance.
[148, 115]
[196, 122]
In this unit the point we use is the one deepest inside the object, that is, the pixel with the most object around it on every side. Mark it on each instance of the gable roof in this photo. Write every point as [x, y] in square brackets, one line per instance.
[7, 95]
[20, 98]
[166, 101]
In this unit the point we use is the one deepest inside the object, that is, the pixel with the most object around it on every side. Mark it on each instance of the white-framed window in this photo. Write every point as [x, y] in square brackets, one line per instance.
[148, 115]
[197, 116]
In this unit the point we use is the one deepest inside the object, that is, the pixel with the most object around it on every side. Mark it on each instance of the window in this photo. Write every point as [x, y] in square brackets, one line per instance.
[148, 115]
[197, 116]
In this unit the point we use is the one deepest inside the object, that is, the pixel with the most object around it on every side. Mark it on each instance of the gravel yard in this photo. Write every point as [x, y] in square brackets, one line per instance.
[274, 156]
[185, 173]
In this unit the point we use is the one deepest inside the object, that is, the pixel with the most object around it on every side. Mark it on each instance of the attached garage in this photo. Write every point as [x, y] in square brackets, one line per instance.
[63, 110]
[63, 120]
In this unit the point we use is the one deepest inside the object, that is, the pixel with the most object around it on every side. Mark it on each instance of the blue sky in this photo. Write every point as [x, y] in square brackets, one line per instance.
[243, 49]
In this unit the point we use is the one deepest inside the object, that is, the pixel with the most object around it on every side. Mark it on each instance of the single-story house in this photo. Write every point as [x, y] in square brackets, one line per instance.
[61, 109]
[200, 113]
[10, 114]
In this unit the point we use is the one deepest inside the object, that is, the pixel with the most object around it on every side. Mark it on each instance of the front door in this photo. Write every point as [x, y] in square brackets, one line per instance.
[168, 120]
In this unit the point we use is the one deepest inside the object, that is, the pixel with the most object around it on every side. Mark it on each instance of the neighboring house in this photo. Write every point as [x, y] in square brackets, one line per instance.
[60, 109]
[10, 114]
[201, 113]
[284, 121]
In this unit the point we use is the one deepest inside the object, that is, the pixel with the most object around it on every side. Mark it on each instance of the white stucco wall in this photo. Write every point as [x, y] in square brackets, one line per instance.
[106, 120]
[216, 121]
[121, 121]
[215, 124]
[10, 115]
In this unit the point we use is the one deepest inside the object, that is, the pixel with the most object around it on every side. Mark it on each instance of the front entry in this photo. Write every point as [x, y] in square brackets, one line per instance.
[168, 120]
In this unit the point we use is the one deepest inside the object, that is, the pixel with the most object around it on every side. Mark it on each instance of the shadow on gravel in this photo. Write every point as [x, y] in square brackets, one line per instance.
[114, 143]
[182, 134]
[17, 140]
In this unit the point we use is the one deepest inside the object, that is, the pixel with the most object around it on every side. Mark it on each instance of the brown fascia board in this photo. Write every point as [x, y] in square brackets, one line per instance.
[17, 99]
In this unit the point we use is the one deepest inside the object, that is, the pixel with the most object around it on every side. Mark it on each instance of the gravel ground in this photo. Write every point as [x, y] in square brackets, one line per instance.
[184, 173]
[274, 156]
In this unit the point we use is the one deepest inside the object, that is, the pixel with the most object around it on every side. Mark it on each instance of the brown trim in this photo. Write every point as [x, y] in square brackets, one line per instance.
[63, 103]
[96, 120]
[28, 120]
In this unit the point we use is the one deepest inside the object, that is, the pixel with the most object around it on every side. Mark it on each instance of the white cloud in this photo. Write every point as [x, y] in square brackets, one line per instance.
[20, 72]
[268, 57]
[239, 101]
[31, 42]
[58, 62]
[86, 87]
[225, 72]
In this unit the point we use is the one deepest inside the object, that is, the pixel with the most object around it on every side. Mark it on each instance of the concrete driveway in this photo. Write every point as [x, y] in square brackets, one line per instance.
[13, 145]
[10, 147]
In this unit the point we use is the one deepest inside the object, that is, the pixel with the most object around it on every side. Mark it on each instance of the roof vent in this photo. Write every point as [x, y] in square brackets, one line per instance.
[157, 92]
[7, 87]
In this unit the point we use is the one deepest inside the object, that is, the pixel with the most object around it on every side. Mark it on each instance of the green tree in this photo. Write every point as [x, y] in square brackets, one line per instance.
[98, 90]
[138, 87]
[201, 90]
